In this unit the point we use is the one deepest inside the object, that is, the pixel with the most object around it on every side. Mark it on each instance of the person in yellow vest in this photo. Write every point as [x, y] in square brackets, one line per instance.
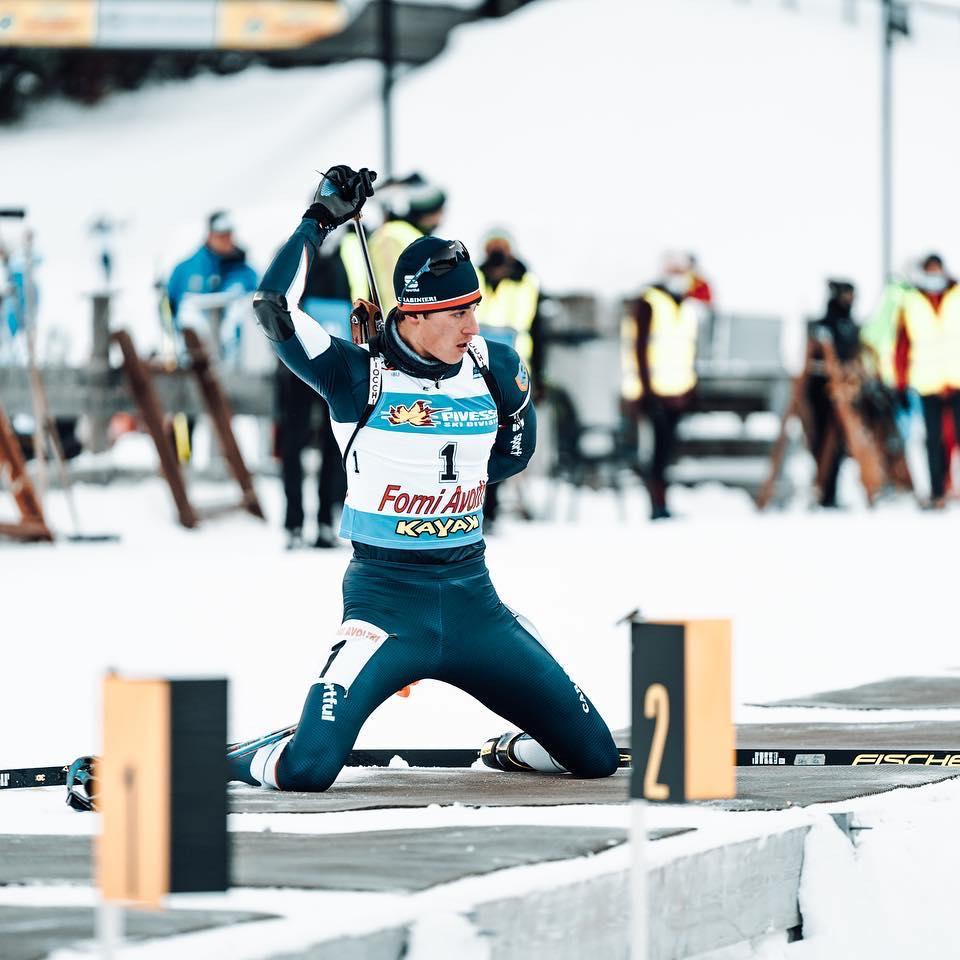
[509, 313]
[511, 300]
[659, 366]
[927, 359]
[412, 208]
[880, 338]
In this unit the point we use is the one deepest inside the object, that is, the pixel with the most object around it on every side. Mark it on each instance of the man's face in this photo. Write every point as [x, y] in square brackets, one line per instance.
[443, 335]
[932, 277]
[677, 280]
[428, 222]
[497, 244]
[221, 243]
[499, 261]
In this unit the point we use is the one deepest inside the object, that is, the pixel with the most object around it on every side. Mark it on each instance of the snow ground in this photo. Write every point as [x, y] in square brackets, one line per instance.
[817, 600]
[878, 899]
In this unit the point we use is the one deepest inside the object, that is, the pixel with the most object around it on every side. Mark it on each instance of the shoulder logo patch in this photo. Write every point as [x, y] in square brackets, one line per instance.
[522, 378]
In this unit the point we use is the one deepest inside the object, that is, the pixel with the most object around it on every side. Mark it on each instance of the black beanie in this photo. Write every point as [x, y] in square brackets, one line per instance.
[428, 294]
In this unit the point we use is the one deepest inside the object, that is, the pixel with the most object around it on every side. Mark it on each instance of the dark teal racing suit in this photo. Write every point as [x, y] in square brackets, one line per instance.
[417, 598]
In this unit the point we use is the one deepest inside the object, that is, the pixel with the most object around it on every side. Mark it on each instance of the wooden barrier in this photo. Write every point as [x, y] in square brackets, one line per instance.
[140, 376]
[32, 525]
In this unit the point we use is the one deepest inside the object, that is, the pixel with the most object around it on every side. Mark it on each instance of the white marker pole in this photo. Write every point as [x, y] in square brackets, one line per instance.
[109, 928]
[639, 931]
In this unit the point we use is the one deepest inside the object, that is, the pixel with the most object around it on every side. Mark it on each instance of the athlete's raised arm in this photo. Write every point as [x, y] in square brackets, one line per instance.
[301, 343]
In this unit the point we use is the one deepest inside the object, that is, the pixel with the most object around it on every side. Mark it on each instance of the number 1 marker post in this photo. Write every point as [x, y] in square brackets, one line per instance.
[162, 796]
[682, 733]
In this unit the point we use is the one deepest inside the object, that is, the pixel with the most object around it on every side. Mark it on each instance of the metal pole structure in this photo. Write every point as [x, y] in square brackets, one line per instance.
[639, 893]
[98, 402]
[895, 21]
[109, 928]
[886, 145]
[387, 58]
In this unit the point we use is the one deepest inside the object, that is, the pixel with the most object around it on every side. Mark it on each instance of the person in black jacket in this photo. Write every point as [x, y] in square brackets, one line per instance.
[837, 325]
[303, 416]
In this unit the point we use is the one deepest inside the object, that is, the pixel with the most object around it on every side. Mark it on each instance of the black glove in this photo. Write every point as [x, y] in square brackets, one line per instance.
[341, 194]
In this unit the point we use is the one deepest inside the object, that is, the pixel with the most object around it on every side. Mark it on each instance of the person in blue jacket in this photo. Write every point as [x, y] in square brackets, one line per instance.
[426, 416]
[218, 266]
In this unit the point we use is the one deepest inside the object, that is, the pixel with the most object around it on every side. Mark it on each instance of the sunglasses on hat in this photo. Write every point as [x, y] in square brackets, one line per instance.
[439, 263]
[445, 259]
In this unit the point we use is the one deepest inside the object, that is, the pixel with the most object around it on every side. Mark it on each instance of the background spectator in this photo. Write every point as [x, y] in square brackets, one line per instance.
[303, 417]
[509, 313]
[826, 440]
[659, 373]
[927, 359]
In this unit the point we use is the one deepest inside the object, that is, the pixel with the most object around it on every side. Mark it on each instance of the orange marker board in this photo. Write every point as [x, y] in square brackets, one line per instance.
[161, 789]
[133, 782]
[682, 732]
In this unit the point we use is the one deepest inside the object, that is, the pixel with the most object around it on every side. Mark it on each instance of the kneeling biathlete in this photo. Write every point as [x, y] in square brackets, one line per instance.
[425, 417]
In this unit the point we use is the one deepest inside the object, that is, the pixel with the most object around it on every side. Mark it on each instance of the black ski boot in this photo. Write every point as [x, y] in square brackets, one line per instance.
[498, 752]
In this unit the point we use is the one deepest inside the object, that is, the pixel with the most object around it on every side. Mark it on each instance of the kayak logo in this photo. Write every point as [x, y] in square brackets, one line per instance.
[584, 706]
[418, 414]
[439, 528]
[4, 780]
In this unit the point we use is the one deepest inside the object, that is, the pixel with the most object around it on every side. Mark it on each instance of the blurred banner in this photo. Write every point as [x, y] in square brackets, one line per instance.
[155, 23]
[269, 25]
[169, 24]
[48, 23]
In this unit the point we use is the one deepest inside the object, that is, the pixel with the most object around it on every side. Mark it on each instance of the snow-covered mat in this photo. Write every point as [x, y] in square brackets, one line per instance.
[372, 861]
[895, 693]
[32, 933]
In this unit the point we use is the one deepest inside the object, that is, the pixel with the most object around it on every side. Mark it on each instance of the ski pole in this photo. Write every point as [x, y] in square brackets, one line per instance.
[361, 328]
[362, 237]
[374, 292]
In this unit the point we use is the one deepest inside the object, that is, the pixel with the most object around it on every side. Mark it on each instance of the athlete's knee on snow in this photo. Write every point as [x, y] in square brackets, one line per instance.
[307, 771]
[287, 765]
[593, 753]
[595, 759]
[314, 757]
